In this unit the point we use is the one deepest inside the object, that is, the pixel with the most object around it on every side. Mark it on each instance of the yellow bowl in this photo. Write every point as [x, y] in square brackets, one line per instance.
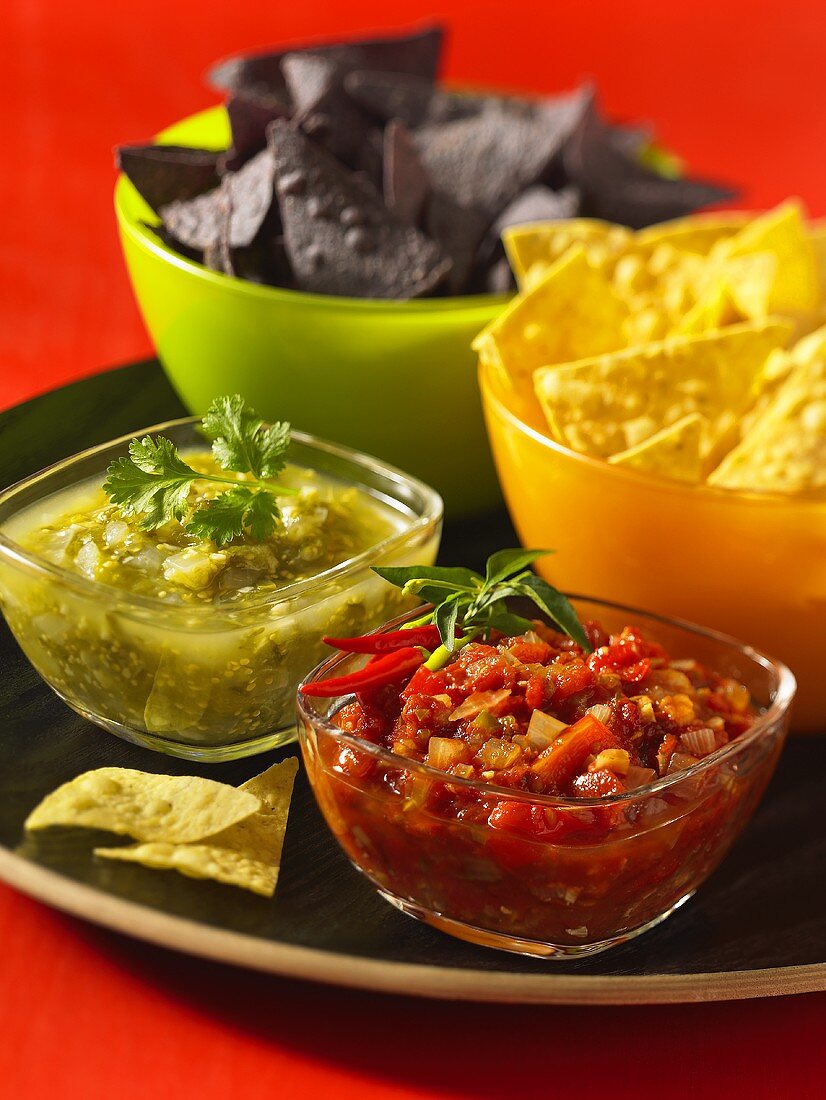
[750, 564]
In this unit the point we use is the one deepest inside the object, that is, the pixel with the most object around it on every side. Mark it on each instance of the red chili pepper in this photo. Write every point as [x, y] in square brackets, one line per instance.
[388, 641]
[388, 669]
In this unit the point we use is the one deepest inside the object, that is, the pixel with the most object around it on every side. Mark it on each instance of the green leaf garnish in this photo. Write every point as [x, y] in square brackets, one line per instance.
[154, 482]
[556, 607]
[467, 603]
[504, 563]
[242, 442]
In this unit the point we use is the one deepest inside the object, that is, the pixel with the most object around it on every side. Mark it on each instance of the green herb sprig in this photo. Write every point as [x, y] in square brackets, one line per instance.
[465, 601]
[154, 482]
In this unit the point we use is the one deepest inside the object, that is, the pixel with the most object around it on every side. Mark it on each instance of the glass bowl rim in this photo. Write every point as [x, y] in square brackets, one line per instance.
[765, 725]
[432, 513]
[145, 237]
[492, 395]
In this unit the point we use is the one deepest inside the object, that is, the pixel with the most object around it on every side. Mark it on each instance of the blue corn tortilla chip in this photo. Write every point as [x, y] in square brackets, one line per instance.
[249, 116]
[485, 161]
[538, 204]
[413, 100]
[417, 53]
[322, 108]
[617, 188]
[163, 173]
[339, 236]
[459, 231]
[238, 207]
[250, 191]
[499, 278]
[405, 183]
[196, 223]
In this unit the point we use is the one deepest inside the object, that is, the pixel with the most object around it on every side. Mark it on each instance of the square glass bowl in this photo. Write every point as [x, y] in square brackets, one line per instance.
[596, 871]
[206, 682]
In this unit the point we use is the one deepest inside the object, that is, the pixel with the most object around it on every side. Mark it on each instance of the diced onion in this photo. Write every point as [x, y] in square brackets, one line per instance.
[617, 761]
[646, 707]
[684, 665]
[88, 559]
[497, 754]
[680, 761]
[444, 752]
[479, 701]
[600, 711]
[115, 532]
[638, 777]
[191, 568]
[700, 742]
[543, 730]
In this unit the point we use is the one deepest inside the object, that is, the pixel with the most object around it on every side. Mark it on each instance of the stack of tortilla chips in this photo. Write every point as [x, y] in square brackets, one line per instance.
[695, 349]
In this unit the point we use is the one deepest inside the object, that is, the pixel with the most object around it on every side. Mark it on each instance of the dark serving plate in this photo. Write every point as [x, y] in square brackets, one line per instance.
[758, 927]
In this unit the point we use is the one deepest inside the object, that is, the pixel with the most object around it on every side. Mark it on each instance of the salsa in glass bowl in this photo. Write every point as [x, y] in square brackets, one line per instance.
[535, 797]
[185, 645]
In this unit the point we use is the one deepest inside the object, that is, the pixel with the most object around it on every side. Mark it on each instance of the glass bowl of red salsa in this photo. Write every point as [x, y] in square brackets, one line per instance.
[536, 798]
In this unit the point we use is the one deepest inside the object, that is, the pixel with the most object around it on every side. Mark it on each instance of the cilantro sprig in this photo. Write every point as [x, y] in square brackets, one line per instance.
[466, 603]
[154, 482]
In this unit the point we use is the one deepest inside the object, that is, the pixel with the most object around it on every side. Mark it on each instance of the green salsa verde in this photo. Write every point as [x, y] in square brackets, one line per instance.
[323, 524]
[212, 661]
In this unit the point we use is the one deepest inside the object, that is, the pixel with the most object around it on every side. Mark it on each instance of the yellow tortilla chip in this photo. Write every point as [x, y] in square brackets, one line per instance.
[674, 452]
[572, 313]
[714, 309]
[247, 854]
[696, 233]
[781, 232]
[775, 370]
[532, 249]
[785, 450]
[173, 808]
[609, 403]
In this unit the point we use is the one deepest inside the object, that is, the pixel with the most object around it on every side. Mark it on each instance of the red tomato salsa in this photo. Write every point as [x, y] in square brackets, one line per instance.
[538, 714]
[516, 840]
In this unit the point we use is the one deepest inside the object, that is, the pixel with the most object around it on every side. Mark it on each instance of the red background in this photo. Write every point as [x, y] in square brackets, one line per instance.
[736, 88]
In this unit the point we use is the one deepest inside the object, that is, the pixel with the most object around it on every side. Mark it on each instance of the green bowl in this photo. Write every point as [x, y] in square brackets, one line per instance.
[394, 379]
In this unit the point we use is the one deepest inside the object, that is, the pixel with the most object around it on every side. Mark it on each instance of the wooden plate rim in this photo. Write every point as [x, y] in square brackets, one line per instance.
[412, 979]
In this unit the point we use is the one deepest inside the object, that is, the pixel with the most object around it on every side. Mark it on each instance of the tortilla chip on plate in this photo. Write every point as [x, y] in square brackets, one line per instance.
[247, 854]
[177, 809]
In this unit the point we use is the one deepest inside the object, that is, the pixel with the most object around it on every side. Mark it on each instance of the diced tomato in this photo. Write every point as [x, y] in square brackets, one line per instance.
[530, 653]
[357, 765]
[570, 678]
[535, 691]
[514, 816]
[668, 747]
[635, 673]
[597, 784]
[425, 682]
[627, 718]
